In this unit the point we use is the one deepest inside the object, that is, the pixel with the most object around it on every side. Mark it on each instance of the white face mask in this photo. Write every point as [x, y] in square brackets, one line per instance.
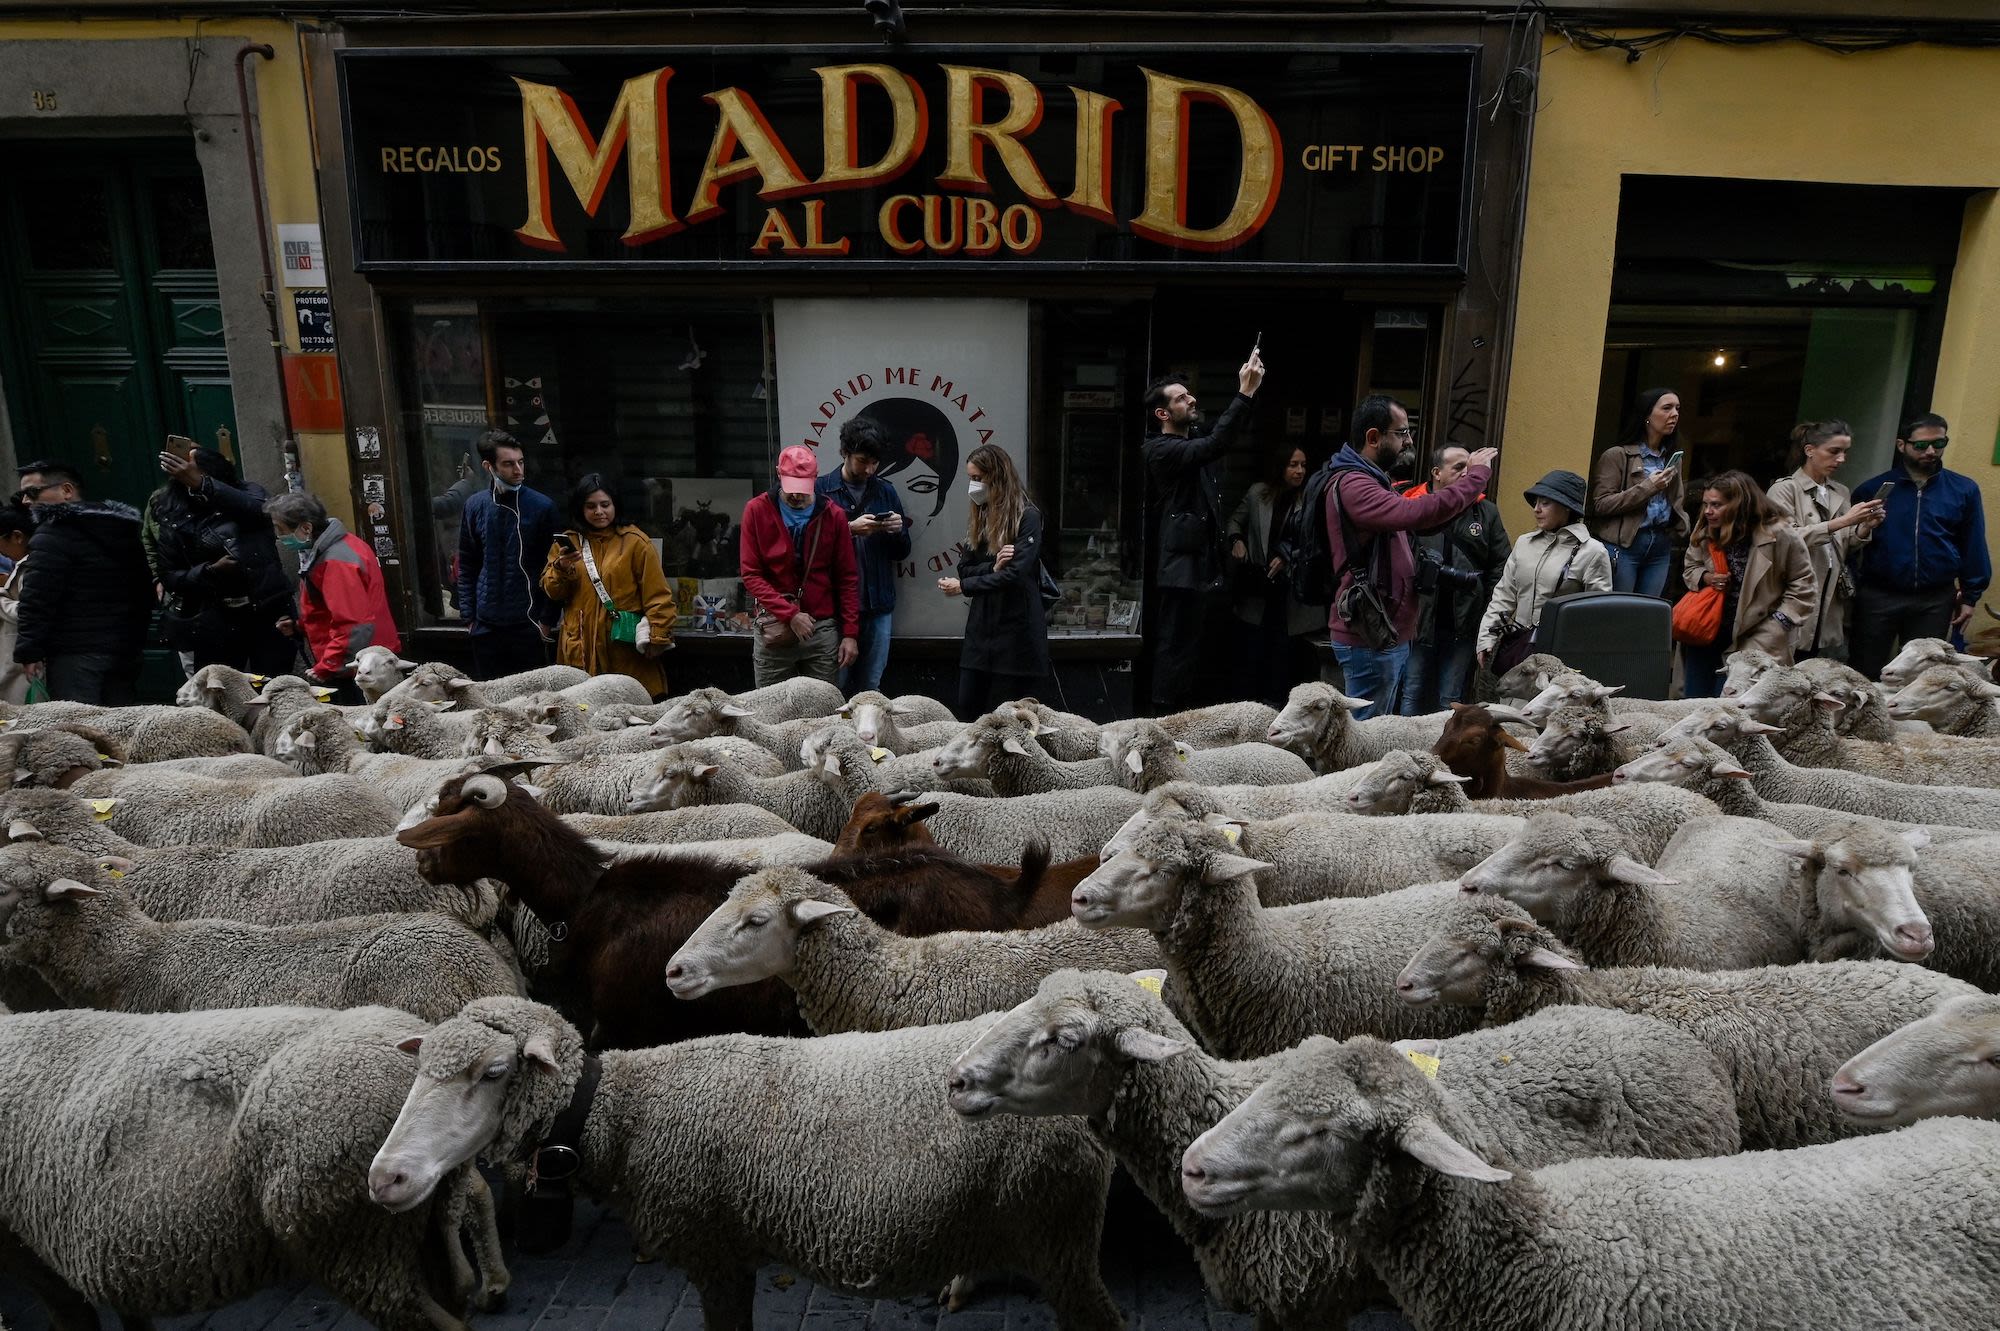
[976, 491]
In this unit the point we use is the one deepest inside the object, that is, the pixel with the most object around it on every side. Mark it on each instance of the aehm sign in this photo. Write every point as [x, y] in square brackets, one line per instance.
[1349, 157]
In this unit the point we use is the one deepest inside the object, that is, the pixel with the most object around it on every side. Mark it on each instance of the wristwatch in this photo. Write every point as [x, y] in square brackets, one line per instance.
[1784, 619]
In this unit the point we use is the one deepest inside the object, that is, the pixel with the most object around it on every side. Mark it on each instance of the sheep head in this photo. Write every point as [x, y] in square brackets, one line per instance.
[1865, 882]
[1572, 736]
[1479, 956]
[1787, 698]
[45, 889]
[1721, 723]
[1067, 1050]
[1395, 781]
[1745, 667]
[969, 755]
[1314, 1136]
[875, 716]
[1941, 693]
[686, 716]
[1947, 1063]
[1681, 760]
[59, 756]
[1918, 654]
[377, 670]
[1148, 886]
[1312, 713]
[1556, 863]
[754, 935]
[1559, 690]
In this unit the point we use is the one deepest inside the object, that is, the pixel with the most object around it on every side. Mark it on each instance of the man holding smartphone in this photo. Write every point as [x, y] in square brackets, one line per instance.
[881, 540]
[1924, 569]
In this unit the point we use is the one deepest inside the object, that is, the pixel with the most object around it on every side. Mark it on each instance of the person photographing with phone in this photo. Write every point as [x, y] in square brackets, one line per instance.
[1635, 496]
[1831, 524]
[223, 588]
[605, 577]
[506, 527]
[881, 540]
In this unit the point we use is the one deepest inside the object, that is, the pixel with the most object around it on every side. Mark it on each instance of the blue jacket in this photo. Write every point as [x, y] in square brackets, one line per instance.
[502, 545]
[1930, 538]
[877, 555]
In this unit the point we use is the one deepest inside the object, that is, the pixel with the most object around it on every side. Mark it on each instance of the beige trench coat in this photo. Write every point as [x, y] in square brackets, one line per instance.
[1539, 560]
[1809, 515]
[1778, 576]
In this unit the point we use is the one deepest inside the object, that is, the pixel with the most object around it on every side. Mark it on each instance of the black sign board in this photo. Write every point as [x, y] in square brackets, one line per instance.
[313, 307]
[1301, 157]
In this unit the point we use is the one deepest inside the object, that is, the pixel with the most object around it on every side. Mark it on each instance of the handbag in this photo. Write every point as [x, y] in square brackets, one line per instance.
[1361, 606]
[776, 632]
[627, 626]
[1698, 615]
[1518, 641]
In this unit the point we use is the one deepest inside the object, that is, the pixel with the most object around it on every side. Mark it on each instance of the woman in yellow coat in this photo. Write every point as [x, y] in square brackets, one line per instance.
[630, 570]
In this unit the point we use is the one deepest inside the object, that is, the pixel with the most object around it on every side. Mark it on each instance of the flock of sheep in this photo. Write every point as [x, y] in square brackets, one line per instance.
[1567, 1011]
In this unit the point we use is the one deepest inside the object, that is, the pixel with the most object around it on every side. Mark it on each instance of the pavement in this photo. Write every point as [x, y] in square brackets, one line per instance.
[592, 1284]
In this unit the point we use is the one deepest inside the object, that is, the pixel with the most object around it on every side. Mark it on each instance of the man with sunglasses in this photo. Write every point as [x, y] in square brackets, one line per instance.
[1923, 569]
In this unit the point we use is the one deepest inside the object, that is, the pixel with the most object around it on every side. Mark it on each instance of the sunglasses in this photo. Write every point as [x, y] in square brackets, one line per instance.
[1926, 445]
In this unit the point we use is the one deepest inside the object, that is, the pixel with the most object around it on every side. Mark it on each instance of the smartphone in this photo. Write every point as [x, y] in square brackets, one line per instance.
[1257, 346]
[566, 541]
[1882, 492]
[1674, 462]
[180, 445]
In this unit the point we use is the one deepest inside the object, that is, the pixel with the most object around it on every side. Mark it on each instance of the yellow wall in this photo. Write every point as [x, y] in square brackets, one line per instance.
[290, 186]
[1919, 115]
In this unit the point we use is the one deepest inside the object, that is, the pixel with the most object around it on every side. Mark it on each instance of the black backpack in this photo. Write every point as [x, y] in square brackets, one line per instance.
[1308, 555]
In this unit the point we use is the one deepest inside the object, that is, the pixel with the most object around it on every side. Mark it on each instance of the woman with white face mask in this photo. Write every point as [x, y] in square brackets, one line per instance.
[1005, 653]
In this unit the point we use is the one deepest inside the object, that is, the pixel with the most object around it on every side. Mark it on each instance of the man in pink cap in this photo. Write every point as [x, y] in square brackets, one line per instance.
[798, 565]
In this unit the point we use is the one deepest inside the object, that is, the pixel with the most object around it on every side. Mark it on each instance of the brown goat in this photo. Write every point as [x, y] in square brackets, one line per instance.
[883, 823]
[919, 889]
[1474, 746]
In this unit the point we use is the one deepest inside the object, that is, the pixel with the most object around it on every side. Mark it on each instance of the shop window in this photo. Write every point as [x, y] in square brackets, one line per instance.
[669, 402]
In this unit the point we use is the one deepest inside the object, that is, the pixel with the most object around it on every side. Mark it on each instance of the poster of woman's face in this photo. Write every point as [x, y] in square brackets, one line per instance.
[923, 456]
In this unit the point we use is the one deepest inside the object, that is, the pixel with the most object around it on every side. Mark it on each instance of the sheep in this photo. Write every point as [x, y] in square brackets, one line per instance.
[320, 740]
[1319, 855]
[788, 700]
[1221, 726]
[1954, 699]
[1953, 885]
[281, 698]
[1530, 677]
[414, 728]
[1919, 654]
[1787, 699]
[851, 974]
[1146, 757]
[1585, 739]
[701, 822]
[1316, 724]
[230, 1150]
[724, 1153]
[1947, 1063]
[96, 948]
[1475, 746]
[624, 783]
[65, 754]
[221, 689]
[1786, 1239]
[1254, 979]
[1708, 770]
[1780, 1031]
[436, 682]
[184, 809]
[1069, 738]
[701, 717]
[150, 734]
[1865, 712]
[1551, 690]
[816, 801]
[503, 732]
[1774, 778]
[327, 880]
[1648, 815]
[998, 748]
[918, 772]
[377, 670]
[1072, 823]
[1727, 894]
[900, 725]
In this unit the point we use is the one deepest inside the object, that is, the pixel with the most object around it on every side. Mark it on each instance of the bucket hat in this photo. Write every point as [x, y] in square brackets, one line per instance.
[1565, 487]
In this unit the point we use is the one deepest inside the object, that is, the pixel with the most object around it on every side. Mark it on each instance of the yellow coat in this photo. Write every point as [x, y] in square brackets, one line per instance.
[633, 577]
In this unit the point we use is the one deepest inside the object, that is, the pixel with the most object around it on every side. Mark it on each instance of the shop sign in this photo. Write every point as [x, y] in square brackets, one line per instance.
[1326, 157]
[312, 391]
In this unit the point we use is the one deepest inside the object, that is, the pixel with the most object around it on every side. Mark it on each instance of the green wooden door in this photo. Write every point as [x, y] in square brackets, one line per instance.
[109, 310]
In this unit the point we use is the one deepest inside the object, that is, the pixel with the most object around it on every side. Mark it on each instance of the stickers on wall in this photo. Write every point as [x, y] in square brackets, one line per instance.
[304, 254]
[313, 308]
[374, 488]
[367, 443]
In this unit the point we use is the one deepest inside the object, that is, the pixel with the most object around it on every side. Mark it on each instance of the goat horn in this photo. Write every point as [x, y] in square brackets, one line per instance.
[901, 797]
[485, 790]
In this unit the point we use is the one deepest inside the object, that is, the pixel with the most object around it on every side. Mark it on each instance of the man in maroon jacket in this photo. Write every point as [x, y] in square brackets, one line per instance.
[1368, 528]
[797, 558]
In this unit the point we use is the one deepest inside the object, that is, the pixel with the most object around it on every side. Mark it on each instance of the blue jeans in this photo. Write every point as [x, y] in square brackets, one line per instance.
[1701, 668]
[1438, 675]
[872, 645]
[1376, 676]
[1643, 566]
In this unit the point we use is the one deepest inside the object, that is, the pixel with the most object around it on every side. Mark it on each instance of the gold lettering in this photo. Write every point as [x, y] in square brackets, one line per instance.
[740, 124]
[388, 159]
[968, 133]
[1164, 218]
[776, 231]
[892, 234]
[909, 125]
[1092, 195]
[816, 241]
[551, 123]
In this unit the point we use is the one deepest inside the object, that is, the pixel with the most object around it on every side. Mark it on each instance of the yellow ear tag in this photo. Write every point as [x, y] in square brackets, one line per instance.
[115, 873]
[259, 680]
[878, 754]
[1426, 1063]
[104, 757]
[101, 809]
[1178, 754]
[1232, 832]
[583, 707]
[1150, 983]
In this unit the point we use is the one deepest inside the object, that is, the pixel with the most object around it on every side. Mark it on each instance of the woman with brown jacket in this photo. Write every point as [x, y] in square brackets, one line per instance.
[1823, 513]
[1768, 586]
[1635, 496]
[628, 569]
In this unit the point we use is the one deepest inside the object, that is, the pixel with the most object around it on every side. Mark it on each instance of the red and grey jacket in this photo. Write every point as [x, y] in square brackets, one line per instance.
[770, 563]
[343, 604]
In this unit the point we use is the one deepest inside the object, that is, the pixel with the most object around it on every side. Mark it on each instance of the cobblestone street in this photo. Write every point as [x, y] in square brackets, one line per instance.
[592, 1284]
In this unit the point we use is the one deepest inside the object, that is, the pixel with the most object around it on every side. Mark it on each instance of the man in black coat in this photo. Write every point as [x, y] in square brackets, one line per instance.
[1182, 467]
[1458, 565]
[86, 593]
[225, 590]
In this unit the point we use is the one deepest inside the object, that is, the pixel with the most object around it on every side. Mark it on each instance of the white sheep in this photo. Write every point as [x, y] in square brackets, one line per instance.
[1919, 654]
[319, 740]
[900, 725]
[150, 734]
[64, 755]
[185, 809]
[1068, 737]
[851, 974]
[1780, 1031]
[1220, 726]
[281, 698]
[434, 681]
[837, 1157]
[816, 801]
[1947, 1063]
[788, 700]
[230, 1148]
[1551, 690]
[1786, 698]
[1073, 823]
[916, 772]
[1954, 699]
[1098, 1045]
[1317, 724]
[377, 670]
[998, 748]
[1147, 757]
[96, 948]
[1584, 738]
[1792, 1239]
[413, 728]
[1251, 979]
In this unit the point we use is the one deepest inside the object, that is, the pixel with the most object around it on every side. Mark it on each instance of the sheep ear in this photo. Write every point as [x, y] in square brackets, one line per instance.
[401, 664]
[1422, 1139]
[1750, 725]
[734, 709]
[256, 705]
[1443, 778]
[805, 912]
[1986, 690]
[63, 889]
[458, 685]
[846, 712]
[117, 864]
[901, 711]
[1144, 1046]
[1541, 681]
[305, 739]
[1606, 690]
[1227, 868]
[1351, 704]
[1828, 701]
[1542, 958]
[1916, 838]
[411, 1045]
[1133, 762]
[1618, 729]
[637, 721]
[546, 729]
[1724, 767]
[540, 1049]
[23, 830]
[704, 771]
[1804, 850]
[1012, 745]
[1625, 869]
[393, 722]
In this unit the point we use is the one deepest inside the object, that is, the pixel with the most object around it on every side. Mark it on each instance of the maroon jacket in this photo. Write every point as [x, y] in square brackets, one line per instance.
[1372, 506]
[770, 563]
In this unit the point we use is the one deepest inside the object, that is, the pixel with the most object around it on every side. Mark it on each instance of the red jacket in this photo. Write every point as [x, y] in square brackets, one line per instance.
[770, 563]
[343, 604]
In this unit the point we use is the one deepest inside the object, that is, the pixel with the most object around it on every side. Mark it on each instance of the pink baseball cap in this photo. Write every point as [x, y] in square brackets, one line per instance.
[798, 470]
